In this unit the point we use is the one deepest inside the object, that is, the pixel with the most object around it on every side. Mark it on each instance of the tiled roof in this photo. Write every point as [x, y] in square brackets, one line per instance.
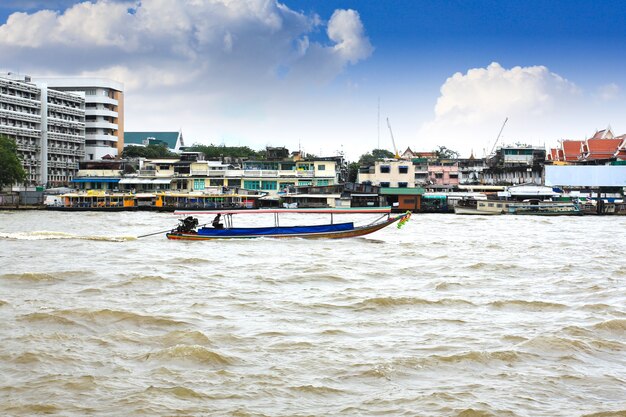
[553, 155]
[599, 134]
[572, 150]
[602, 148]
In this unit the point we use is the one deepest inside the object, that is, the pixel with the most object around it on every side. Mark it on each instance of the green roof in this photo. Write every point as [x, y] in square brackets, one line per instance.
[402, 191]
[139, 138]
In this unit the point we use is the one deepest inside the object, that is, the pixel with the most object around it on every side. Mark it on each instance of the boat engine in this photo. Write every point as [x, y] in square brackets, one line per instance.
[188, 224]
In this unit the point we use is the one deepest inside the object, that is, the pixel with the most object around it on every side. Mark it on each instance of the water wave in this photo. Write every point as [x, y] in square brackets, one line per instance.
[316, 390]
[47, 235]
[552, 344]
[33, 409]
[470, 412]
[378, 302]
[528, 305]
[483, 357]
[118, 317]
[180, 392]
[614, 325]
[49, 318]
[191, 353]
[32, 277]
[142, 280]
[618, 413]
[184, 337]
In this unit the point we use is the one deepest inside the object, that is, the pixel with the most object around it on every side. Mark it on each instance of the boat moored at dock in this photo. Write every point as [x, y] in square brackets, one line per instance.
[546, 208]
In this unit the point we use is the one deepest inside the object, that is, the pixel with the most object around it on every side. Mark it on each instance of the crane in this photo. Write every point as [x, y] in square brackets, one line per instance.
[397, 155]
[501, 129]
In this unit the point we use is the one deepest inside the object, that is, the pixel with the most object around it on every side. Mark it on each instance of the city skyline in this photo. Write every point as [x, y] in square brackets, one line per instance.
[323, 76]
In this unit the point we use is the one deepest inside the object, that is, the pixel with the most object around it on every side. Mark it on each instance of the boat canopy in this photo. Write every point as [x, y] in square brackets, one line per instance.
[335, 210]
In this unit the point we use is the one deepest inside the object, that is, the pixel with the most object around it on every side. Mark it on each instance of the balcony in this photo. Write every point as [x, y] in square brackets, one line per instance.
[100, 124]
[20, 131]
[101, 99]
[64, 137]
[104, 138]
[21, 101]
[15, 115]
[101, 112]
[75, 111]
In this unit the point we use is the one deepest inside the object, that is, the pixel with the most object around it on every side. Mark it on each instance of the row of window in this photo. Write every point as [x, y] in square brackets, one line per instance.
[201, 184]
[386, 169]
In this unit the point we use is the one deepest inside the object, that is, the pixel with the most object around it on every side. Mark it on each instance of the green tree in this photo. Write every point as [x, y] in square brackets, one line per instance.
[353, 171]
[150, 151]
[212, 151]
[376, 154]
[11, 170]
[444, 153]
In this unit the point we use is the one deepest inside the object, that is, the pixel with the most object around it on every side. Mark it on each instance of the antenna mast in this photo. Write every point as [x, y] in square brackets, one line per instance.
[378, 145]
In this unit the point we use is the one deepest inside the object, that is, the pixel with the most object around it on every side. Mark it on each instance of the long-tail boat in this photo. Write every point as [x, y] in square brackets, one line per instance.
[189, 228]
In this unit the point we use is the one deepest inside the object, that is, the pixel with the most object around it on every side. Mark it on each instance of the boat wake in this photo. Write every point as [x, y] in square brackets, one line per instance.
[46, 235]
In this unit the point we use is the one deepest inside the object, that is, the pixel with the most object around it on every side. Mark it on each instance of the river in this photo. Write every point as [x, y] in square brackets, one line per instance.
[450, 315]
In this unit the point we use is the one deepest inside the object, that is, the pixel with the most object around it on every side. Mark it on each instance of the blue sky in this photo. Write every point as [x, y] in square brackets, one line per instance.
[325, 75]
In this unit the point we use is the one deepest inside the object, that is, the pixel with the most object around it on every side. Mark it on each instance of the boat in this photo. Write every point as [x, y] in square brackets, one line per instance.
[479, 206]
[546, 208]
[189, 228]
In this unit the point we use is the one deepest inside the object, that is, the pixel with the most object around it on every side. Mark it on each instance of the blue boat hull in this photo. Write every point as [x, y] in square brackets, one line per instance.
[270, 231]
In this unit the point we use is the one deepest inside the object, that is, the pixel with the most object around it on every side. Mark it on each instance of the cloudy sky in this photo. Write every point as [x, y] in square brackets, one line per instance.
[324, 76]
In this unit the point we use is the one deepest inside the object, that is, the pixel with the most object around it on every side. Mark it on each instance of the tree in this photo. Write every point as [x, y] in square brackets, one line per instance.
[150, 151]
[11, 170]
[212, 151]
[353, 172]
[444, 153]
[376, 154]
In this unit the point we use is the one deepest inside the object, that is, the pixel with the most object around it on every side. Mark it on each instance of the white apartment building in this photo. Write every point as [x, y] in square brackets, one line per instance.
[389, 173]
[48, 127]
[104, 114]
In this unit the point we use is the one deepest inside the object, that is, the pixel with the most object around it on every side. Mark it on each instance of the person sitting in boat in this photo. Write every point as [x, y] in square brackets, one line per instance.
[216, 222]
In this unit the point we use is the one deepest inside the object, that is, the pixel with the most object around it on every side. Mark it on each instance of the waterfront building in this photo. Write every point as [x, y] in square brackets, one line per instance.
[395, 173]
[172, 140]
[104, 114]
[191, 173]
[471, 170]
[48, 127]
[444, 172]
[517, 164]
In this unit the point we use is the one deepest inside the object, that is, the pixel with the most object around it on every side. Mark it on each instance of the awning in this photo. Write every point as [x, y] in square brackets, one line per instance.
[144, 181]
[96, 179]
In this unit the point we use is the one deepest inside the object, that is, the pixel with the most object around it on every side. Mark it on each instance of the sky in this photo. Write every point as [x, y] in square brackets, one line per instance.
[331, 76]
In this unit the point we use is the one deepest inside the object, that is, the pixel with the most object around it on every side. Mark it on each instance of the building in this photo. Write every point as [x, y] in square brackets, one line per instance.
[104, 114]
[394, 173]
[517, 164]
[48, 127]
[172, 140]
[444, 172]
[191, 173]
[602, 148]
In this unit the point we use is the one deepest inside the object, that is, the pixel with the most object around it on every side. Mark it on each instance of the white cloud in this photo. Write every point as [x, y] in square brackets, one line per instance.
[225, 40]
[345, 28]
[477, 102]
[609, 92]
[219, 69]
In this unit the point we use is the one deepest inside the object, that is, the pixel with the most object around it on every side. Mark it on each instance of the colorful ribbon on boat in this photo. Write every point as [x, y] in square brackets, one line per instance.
[405, 218]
